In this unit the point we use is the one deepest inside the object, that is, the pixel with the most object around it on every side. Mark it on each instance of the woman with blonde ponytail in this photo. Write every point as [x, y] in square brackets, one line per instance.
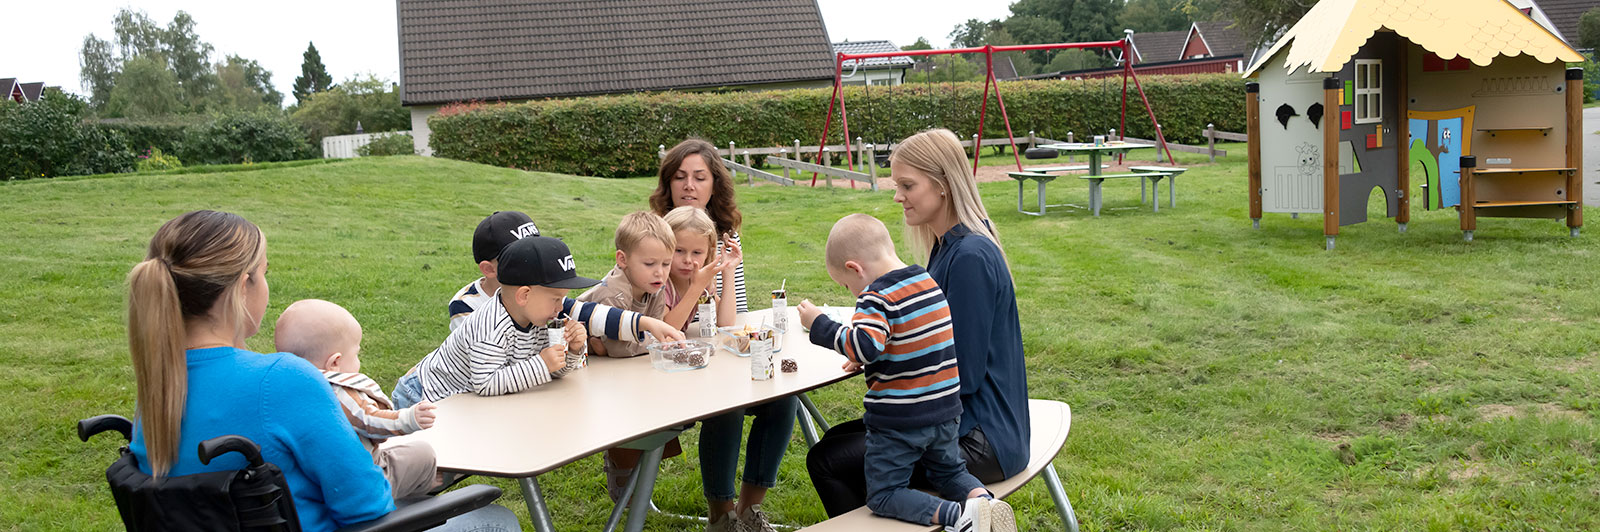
[199, 293]
[948, 228]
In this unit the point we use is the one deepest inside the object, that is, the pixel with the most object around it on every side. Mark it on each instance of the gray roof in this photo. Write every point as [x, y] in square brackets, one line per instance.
[457, 50]
[1004, 69]
[873, 47]
[7, 85]
[32, 91]
[1564, 14]
[1222, 40]
[1160, 46]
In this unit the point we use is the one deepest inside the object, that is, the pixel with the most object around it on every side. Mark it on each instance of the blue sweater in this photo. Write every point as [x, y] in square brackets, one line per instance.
[983, 305]
[285, 405]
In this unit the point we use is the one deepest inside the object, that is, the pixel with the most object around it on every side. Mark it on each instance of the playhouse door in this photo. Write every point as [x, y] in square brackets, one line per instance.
[1438, 141]
[1292, 119]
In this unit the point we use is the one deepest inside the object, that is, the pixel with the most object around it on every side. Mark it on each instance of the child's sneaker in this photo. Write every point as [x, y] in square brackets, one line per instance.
[982, 514]
[754, 520]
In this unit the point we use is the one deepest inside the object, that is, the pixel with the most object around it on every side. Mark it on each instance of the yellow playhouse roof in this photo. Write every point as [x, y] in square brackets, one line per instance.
[1478, 30]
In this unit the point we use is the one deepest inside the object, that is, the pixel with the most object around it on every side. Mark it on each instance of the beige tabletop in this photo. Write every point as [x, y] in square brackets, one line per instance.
[609, 402]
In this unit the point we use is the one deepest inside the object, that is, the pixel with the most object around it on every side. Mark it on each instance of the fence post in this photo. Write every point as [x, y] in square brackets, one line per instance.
[1211, 141]
[1031, 139]
[785, 168]
[872, 166]
[747, 163]
[826, 157]
[661, 152]
[974, 146]
[1069, 141]
[797, 150]
[730, 158]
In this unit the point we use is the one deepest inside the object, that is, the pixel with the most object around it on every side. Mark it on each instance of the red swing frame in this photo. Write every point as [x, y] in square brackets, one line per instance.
[989, 80]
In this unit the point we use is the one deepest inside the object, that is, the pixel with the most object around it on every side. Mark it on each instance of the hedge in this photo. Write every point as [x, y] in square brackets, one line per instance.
[47, 138]
[164, 134]
[617, 136]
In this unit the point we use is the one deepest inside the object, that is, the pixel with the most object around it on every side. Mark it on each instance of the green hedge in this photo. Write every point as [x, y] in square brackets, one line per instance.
[164, 135]
[245, 137]
[47, 138]
[617, 136]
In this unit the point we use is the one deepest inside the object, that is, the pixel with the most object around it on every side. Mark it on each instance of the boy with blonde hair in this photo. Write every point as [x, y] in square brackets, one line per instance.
[902, 335]
[644, 257]
[326, 335]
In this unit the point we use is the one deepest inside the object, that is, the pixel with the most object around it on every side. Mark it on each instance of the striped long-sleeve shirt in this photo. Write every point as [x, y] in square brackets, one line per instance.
[614, 322]
[901, 334]
[488, 354]
[369, 410]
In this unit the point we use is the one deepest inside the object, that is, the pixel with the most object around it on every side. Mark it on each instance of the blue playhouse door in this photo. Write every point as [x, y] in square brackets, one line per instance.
[1450, 135]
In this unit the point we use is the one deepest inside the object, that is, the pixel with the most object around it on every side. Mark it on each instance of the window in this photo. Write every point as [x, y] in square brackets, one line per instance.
[1369, 91]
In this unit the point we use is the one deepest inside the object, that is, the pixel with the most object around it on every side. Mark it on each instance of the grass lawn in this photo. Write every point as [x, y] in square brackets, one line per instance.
[1222, 378]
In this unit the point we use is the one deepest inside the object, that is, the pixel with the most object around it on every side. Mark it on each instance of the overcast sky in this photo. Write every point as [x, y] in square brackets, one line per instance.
[358, 36]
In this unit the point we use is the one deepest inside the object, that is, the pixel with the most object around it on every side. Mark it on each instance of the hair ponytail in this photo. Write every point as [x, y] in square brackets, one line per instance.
[155, 340]
[191, 271]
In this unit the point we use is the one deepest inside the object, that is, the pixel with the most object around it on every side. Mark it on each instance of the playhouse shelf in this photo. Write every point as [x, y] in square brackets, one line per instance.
[1496, 171]
[1488, 204]
[1545, 130]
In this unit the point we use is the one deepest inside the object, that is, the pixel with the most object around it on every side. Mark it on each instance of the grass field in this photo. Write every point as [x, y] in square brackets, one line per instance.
[1222, 378]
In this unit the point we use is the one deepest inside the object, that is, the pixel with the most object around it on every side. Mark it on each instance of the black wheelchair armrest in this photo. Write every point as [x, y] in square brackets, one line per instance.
[220, 445]
[423, 513]
[87, 428]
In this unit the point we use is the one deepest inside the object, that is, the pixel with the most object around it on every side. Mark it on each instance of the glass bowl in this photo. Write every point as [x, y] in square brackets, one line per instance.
[682, 355]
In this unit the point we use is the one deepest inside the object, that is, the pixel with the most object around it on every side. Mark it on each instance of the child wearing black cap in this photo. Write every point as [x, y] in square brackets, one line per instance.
[503, 347]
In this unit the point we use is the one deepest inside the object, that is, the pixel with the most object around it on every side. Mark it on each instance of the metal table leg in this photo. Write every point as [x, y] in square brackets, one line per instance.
[1094, 195]
[805, 403]
[1063, 505]
[1172, 190]
[1141, 190]
[1019, 197]
[537, 511]
[807, 430]
[1155, 193]
[1041, 196]
[639, 503]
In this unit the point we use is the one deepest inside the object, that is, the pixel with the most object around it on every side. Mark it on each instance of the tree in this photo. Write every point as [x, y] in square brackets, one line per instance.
[136, 34]
[1261, 21]
[1070, 60]
[243, 84]
[368, 100]
[921, 44]
[1149, 16]
[947, 68]
[1081, 20]
[97, 69]
[1589, 29]
[189, 58]
[972, 33]
[144, 88]
[313, 77]
[1033, 30]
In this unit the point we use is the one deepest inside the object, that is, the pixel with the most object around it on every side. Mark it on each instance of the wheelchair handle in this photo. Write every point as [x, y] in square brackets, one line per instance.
[221, 445]
[87, 428]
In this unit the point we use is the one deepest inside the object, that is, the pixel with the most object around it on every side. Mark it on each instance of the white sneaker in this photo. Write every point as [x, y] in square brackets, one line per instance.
[984, 515]
[755, 520]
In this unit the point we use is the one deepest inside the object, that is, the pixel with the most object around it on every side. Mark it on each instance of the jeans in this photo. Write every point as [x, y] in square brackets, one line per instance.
[407, 392]
[890, 457]
[491, 518]
[719, 447]
[837, 465]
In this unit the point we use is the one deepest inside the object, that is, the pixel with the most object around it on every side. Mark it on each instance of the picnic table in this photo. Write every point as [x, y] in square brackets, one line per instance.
[611, 402]
[1042, 176]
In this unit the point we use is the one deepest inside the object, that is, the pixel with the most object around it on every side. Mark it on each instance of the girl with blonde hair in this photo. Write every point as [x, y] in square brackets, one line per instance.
[949, 229]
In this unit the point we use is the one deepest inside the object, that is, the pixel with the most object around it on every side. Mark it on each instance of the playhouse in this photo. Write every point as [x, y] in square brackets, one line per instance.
[1473, 91]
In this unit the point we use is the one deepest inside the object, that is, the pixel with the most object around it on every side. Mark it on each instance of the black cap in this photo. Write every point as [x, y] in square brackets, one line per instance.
[498, 230]
[540, 261]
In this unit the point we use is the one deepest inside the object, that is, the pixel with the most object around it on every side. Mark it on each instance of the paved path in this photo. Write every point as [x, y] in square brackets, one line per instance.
[1591, 157]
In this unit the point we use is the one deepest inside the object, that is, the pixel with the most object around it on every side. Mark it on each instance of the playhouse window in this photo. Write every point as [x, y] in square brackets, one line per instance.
[1369, 91]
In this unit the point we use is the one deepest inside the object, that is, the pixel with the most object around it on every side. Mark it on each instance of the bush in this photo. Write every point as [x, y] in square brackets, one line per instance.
[48, 138]
[246, 136]
[616, 136]
[154, 160]
[396, 144]
[163, 134]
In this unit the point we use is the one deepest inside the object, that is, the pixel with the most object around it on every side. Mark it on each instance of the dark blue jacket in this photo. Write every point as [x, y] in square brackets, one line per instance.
[983, 306]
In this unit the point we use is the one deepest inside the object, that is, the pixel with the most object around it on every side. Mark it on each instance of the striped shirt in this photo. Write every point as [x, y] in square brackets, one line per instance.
[741, 303]
[369, 410]
[488, 354]
[614, 323]
[901, 334]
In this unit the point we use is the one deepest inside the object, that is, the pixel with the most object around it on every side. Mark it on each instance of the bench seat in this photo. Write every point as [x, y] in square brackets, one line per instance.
[1049, 423]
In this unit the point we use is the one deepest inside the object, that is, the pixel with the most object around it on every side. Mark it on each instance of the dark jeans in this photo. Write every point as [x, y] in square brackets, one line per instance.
[894, 455]
[837, 465]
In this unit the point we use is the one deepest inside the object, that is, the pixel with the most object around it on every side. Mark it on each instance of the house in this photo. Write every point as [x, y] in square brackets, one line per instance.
[10, 90]
[32, 91]
[1206, 47]
[1473, 91]
[874, 71]
[1560, 15]
[518, 50]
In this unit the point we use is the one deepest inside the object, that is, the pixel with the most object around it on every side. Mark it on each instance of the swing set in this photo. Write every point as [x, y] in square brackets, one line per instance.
[988, 51]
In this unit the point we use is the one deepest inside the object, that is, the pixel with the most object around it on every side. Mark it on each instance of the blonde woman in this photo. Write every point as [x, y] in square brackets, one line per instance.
[948, 227]
[199, 293]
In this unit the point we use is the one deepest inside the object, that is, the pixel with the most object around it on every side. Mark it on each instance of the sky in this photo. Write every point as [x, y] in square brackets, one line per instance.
[356, 37]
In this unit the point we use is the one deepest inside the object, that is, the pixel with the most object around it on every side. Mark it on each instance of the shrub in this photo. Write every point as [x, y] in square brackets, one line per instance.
[163, 134]
[154, 160]
[245, 136]
[396, 144]
[48, 138]
[617, 136]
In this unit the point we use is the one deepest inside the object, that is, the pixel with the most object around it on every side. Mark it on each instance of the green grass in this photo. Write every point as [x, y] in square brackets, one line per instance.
[1222, 378]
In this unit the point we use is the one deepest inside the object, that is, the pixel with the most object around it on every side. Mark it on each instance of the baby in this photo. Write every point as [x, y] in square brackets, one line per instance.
[330, 338]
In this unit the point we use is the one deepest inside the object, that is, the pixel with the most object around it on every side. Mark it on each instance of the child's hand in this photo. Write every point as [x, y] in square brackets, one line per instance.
[425, 415]
[577, 335]
[555, 358]
[660, 329]
[851, 367]
[708, 271]
[732, 257]
[808, 313]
